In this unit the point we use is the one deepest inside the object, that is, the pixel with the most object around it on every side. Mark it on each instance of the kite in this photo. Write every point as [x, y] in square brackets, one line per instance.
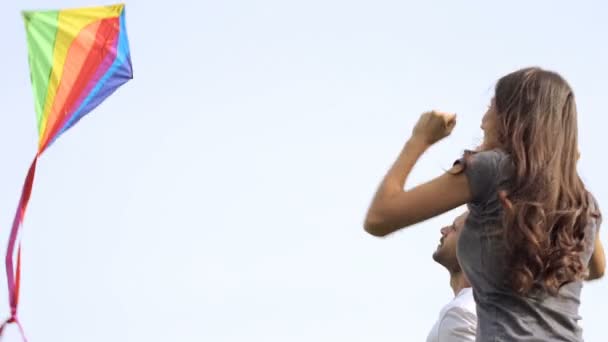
[77, 58]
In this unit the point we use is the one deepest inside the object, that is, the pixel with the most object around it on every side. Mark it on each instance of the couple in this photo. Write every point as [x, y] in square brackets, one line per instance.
[532, 226]
[457, 320]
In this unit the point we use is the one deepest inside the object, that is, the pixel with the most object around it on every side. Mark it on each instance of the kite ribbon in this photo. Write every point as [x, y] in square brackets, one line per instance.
[13, 276]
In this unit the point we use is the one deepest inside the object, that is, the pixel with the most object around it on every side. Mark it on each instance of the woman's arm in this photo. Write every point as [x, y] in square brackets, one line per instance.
[597, 263]
[392, 208]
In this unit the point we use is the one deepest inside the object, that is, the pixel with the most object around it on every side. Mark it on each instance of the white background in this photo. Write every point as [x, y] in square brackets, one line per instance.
[220, 195]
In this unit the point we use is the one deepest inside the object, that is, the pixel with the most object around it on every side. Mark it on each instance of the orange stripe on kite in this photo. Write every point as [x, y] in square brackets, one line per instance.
[85, 55]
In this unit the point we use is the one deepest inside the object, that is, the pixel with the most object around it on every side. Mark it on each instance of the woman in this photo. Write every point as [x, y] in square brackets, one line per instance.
[532, 225]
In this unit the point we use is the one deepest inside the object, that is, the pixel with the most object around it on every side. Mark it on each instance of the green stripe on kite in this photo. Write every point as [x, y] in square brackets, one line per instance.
[43, 33]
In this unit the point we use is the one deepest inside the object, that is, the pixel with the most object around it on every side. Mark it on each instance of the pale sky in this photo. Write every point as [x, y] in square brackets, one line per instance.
[220, 194]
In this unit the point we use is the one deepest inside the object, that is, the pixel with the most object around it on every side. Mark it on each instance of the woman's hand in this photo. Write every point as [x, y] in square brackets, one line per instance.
[434, 126]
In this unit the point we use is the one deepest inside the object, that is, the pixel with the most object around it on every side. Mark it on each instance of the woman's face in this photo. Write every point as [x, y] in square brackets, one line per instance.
[488, 125]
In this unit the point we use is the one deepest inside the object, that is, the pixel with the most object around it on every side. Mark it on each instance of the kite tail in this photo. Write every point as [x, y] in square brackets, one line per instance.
[13, 277]
[16, 321]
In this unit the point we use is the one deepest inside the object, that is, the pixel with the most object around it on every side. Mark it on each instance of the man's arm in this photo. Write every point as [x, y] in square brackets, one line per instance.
[457, 325]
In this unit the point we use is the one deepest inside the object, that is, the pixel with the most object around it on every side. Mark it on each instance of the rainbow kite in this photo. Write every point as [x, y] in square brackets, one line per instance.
[77, 58]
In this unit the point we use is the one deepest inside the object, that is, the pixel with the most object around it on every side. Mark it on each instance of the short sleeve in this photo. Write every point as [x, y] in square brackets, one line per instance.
[593, 227]
[595, 212]
[457, 325]
[483, 171]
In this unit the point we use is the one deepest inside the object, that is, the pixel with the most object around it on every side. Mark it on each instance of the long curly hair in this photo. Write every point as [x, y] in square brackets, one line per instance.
[547, 207]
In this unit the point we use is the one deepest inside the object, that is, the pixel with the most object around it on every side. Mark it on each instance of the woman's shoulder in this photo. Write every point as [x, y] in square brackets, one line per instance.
[593, 204]
[594, 209]
[492, 163]
[485, 170]
[495, 154]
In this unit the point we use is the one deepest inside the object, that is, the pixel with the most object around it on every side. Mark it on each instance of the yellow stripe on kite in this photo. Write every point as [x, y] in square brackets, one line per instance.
[70, 23]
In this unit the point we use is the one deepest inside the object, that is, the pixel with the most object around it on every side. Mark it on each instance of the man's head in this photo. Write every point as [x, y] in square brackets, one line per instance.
[446, 251]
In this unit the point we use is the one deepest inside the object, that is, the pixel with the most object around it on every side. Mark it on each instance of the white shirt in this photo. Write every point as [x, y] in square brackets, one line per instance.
[457, 320]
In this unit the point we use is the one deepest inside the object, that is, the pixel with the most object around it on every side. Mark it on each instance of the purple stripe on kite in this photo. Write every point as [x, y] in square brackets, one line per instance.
[119, 73]
[112, 80]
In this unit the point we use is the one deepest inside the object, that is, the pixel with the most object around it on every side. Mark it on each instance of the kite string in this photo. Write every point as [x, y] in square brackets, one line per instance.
[14, 278]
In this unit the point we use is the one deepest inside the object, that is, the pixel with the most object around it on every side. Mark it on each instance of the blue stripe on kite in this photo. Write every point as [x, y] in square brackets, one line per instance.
[118, 74]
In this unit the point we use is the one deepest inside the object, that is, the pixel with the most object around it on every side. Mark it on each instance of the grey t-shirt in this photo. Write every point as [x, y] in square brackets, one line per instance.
[503, 315]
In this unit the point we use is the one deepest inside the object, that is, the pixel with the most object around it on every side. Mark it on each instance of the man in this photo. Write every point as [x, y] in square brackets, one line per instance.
[457, 320]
